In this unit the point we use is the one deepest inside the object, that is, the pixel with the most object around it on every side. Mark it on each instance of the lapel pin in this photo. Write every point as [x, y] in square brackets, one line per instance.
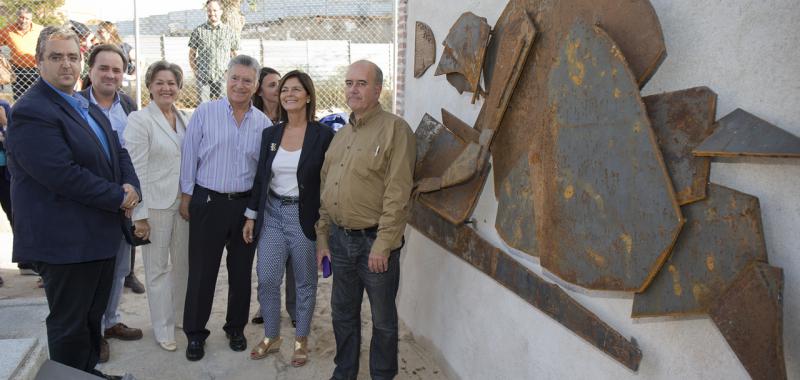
[273, 147]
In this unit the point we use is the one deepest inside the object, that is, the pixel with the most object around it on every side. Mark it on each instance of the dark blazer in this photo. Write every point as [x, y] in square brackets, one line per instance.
[65, 193]
[127, 103]
[315, 143]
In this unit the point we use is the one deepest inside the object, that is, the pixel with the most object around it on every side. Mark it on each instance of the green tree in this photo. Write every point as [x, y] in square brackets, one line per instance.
[45, 12]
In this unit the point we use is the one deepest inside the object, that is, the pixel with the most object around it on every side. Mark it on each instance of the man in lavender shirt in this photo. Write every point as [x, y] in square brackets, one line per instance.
[218, 164]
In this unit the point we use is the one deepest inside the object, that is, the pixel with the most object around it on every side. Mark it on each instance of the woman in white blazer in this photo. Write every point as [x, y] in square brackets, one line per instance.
[154, 137]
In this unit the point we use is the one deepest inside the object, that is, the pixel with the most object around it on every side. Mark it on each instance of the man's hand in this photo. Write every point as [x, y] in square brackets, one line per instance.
[378, 263]
[142, 229]
[247, 231]
[322, 252]
[131, 197]
[183, 209]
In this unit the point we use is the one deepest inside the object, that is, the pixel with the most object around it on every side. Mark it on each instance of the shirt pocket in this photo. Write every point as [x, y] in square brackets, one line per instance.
[369, 162]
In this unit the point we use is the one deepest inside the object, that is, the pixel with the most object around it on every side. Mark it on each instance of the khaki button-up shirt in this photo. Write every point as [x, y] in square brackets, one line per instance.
[367, 179]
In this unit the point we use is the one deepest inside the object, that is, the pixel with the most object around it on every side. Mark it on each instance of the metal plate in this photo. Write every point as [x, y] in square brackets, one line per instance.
[722, 235]
[465, 243]
[609, 215]
[424, 48]
[635, 28]
[464, 51]
[750, 317]
[681, 120]
[437, 148]
[743, 134]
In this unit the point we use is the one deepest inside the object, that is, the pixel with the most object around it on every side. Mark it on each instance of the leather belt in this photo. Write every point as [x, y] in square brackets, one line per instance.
[228, 196]
[361, 232]
[285, 200]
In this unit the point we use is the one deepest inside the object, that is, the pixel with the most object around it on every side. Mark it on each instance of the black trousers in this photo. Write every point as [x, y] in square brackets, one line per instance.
[77, 295]
[5, 194]
[215, 223]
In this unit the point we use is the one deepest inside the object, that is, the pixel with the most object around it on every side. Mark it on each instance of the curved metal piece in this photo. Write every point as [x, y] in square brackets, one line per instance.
[424, 48]
[464, 50]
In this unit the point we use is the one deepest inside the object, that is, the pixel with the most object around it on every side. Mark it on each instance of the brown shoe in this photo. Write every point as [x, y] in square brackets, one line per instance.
[122, 332]
[104, 351]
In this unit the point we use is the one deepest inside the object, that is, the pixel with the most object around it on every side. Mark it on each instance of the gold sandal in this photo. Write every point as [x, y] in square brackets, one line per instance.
[266, 347]
[300, 356]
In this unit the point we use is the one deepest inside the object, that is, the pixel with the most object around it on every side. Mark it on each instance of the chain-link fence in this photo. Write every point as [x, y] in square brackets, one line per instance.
[320, 37]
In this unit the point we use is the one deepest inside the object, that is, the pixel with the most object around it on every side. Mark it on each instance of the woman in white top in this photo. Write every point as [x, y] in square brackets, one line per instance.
[154, 137]
[284, 205]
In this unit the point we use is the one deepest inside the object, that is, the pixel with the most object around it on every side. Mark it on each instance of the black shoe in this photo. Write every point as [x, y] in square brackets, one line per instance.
[132, 283]
[258, 319]
[105, 376]
[237, 341]
[195, 350]
[294, 323]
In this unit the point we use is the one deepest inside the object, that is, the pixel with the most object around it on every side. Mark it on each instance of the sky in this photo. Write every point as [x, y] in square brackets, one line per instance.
[120, 10]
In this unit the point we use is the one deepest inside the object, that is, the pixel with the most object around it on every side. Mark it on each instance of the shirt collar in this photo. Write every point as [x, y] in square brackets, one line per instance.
[75, 100]
[230, 106]
[93, 100]
[370, 114]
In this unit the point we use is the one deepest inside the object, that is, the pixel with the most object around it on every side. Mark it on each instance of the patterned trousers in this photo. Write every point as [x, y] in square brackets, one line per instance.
[282, 238]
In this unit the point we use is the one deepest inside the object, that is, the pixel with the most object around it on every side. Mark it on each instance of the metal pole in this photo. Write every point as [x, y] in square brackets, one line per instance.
[394, 55]
[137, 55]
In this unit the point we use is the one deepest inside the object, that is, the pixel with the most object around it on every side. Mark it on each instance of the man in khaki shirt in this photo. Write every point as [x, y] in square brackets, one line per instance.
[366, 186]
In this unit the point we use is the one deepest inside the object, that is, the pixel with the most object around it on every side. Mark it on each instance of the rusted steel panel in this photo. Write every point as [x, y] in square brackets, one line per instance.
[635, 28]
[424, 48]
[514, 222]
[609, 212]
[750, 317]
[465, 243]
[722, 235]
[464, 51]
[437, 148]
[741, 133]
[681, 120]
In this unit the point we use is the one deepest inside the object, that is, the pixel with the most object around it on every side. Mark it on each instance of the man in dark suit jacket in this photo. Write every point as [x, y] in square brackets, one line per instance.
[72, 184]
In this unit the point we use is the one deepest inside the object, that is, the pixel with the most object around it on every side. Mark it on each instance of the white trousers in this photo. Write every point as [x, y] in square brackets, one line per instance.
[166, 269]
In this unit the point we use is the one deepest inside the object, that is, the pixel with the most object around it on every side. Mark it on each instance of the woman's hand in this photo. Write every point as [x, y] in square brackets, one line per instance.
[247, 231]
[183, 209]
[142, 229]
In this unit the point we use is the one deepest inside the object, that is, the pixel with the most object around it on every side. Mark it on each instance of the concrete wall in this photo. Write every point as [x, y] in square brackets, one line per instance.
[748, 52]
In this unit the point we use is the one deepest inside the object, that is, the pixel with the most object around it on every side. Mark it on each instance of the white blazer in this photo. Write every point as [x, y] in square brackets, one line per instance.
[155, 150]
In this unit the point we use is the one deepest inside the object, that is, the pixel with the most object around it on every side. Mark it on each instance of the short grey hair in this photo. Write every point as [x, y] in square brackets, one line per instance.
[245, 60]
[24, 10]
[158, 66]
[63, 32]
[375, 69]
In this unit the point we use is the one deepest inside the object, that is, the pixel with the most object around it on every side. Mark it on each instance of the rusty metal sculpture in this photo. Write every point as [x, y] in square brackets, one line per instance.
[741, 133]
[722, 235]
[517, 148]
[511, 41]
[681, 120]
[424, 49]
[439, 145]
[609, 212]
[465, 243]
[464, 50]
[750, 317]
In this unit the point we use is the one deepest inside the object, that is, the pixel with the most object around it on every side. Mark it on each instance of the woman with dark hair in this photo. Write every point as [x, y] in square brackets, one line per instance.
[284, 205]
[107, 34]
[266, 98]
[154, 138]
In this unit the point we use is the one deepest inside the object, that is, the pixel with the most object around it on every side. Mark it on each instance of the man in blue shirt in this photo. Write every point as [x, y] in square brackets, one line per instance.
[72, 186]
[106, 68]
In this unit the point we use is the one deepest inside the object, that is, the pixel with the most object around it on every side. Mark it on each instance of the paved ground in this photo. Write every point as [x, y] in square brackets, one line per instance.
[145, 360]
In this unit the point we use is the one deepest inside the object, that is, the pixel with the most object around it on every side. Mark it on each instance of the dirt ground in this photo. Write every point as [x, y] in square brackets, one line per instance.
[147, 361]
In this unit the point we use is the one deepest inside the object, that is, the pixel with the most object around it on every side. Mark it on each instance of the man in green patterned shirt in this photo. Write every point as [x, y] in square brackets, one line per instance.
[211, 46]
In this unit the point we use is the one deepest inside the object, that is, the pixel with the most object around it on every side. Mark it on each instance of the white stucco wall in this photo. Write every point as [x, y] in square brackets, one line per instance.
[748, 52]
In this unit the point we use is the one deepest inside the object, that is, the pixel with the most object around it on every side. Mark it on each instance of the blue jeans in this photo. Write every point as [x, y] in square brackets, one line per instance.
[351, 276]
[122, 267]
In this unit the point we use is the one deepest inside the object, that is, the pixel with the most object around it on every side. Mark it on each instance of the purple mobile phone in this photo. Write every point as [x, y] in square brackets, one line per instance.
[326, 267]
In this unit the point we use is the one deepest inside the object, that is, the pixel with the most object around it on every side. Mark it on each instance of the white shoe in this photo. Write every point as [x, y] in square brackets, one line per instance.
[169, 346]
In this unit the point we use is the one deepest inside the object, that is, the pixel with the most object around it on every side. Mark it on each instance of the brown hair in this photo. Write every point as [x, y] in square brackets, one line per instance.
[308, 85]
[109, 27]
[110, 48]
[158, 66]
